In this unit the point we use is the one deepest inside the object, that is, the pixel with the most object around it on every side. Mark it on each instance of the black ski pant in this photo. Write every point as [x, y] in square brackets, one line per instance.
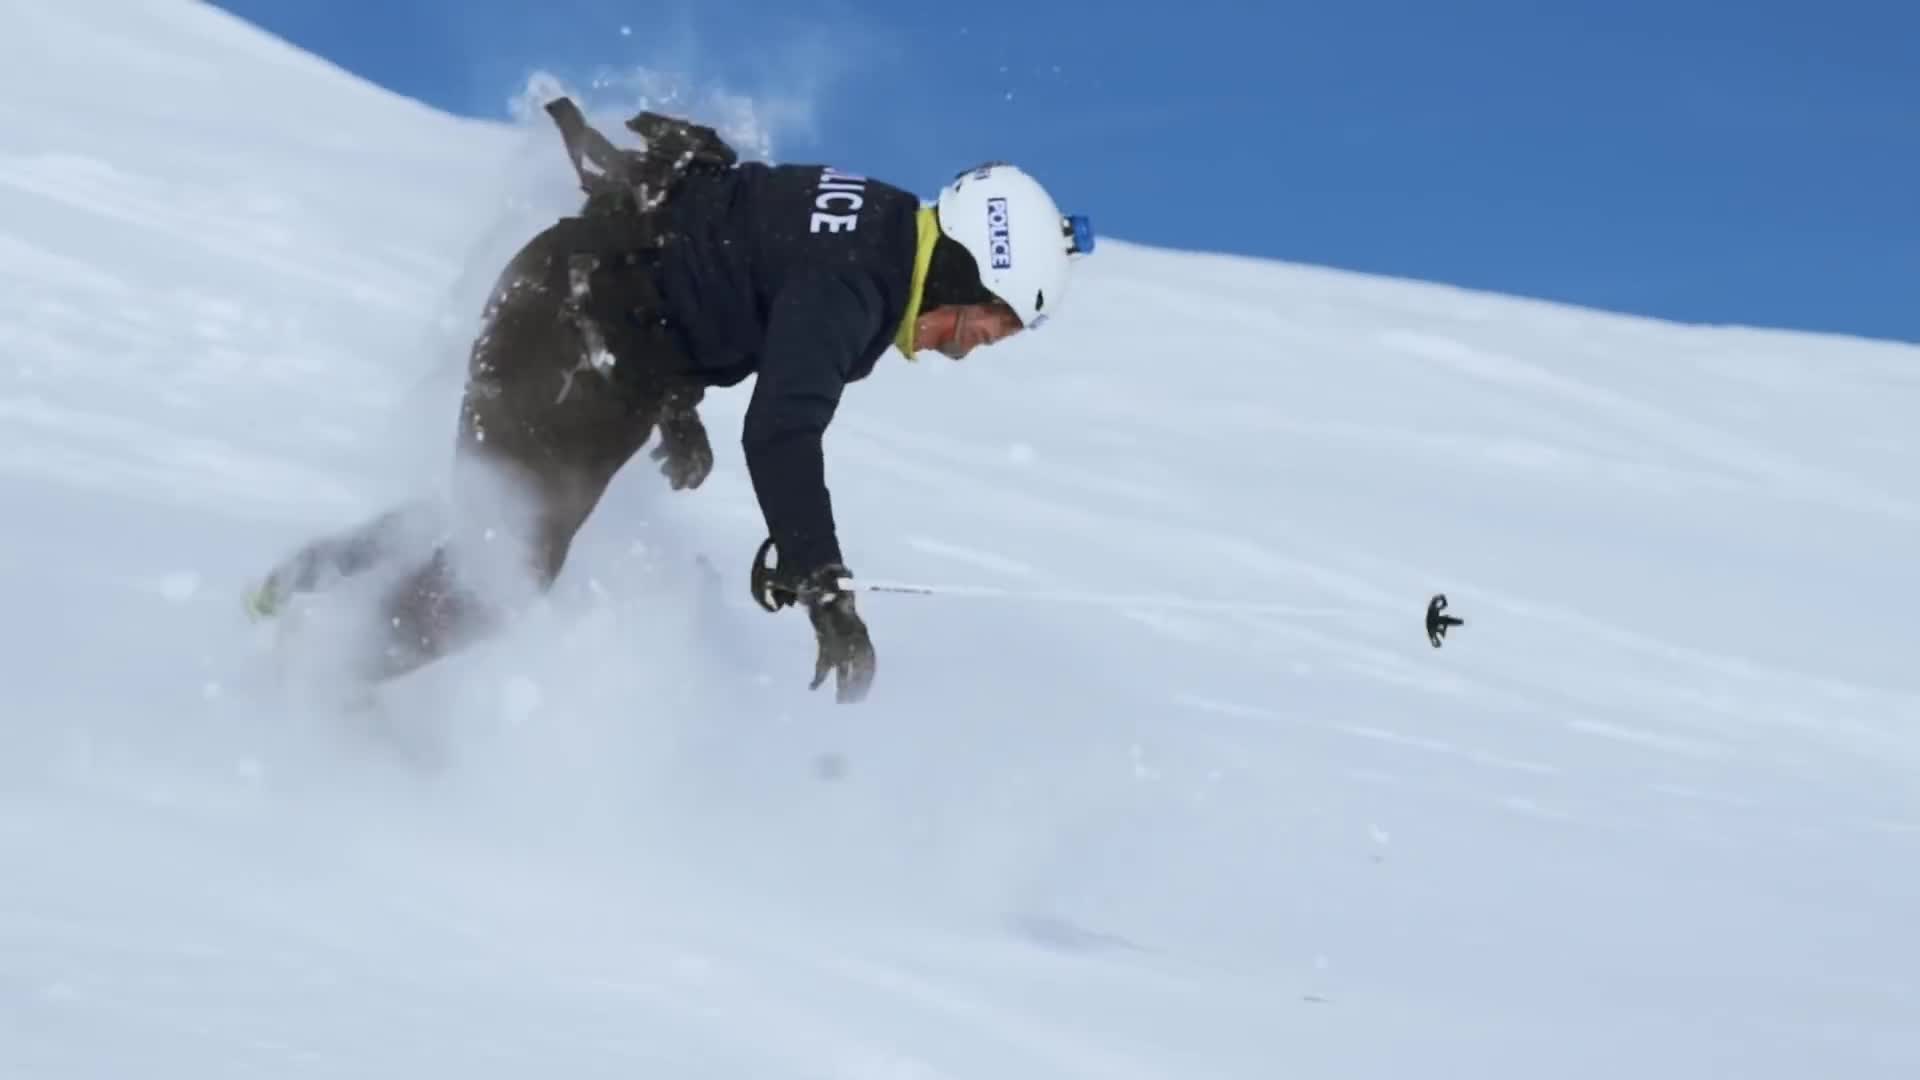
[542, 430]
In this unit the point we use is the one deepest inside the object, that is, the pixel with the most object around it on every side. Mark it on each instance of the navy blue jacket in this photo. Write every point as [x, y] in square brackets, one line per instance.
[800, 275]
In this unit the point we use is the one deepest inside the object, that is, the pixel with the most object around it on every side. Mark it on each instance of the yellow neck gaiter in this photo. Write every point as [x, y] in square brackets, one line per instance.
[929, 231]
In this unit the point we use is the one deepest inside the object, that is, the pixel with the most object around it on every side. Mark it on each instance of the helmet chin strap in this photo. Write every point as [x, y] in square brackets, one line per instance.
[959, 326]
[933, 322]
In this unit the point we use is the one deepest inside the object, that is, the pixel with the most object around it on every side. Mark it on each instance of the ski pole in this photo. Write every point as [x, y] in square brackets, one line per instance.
[1160, 603]
[1436, 621]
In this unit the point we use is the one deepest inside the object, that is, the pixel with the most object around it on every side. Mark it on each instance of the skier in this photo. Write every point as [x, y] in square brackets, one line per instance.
[686, 269]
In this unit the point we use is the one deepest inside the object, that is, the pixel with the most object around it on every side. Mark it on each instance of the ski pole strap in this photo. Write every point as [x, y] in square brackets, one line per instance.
[761, 579]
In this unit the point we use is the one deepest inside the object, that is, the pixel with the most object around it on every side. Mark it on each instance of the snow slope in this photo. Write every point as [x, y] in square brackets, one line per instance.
[1198, 801]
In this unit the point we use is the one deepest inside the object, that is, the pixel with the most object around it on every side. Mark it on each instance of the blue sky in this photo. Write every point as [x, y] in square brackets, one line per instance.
[1753, 162]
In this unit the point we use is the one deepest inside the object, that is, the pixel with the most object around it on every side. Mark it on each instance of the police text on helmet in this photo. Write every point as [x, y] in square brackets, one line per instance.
[998, 234]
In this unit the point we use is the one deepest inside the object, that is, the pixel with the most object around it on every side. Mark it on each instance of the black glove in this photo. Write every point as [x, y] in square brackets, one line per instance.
[846, 650]
[684, 453]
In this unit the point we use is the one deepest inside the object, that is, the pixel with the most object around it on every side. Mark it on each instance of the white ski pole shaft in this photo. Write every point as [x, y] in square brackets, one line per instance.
[1158, 603]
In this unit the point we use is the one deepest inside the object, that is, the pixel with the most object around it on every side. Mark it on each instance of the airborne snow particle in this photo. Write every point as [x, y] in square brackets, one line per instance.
[1142, 770]
[520, 698]
[181, 587]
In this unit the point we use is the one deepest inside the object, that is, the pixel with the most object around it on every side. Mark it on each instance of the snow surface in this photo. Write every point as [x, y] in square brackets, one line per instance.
[1175, 787]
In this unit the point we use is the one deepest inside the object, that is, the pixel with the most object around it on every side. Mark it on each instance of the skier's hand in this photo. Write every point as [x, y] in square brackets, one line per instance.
[846, 650]
[684, 453]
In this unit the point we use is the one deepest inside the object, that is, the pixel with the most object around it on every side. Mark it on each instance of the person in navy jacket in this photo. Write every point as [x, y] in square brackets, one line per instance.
[684, 270]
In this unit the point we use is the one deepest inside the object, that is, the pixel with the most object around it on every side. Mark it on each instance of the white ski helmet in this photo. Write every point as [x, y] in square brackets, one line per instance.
[1017, 236]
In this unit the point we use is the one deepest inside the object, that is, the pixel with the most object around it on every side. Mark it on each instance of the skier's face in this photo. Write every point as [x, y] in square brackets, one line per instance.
[975, 325]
